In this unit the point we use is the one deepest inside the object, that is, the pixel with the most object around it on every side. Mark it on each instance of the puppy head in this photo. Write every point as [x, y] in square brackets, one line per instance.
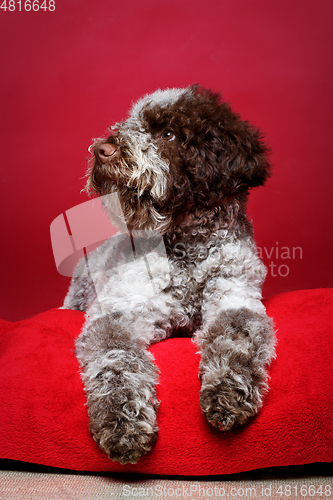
[180, 151]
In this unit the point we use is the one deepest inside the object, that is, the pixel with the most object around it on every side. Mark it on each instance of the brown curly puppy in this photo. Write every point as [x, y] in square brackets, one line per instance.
[182, 165]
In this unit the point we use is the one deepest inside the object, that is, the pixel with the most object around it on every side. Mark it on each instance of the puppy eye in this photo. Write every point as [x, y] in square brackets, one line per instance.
[168, 135]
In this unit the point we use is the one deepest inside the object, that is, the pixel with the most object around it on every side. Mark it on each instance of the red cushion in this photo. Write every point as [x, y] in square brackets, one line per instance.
[44, 418]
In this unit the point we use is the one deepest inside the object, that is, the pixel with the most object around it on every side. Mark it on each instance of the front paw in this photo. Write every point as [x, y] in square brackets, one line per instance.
[235, 353]
[120, 385]
[227, 405]
[125, 435]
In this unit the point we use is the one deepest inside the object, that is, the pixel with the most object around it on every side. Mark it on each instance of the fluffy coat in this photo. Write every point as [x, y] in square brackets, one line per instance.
[184, 263]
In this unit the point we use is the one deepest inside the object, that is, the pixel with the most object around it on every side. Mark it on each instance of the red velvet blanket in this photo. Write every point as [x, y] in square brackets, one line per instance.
[44, 418]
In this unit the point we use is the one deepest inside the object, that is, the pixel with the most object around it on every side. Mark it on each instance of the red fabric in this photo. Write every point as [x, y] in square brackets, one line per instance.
[44, 419]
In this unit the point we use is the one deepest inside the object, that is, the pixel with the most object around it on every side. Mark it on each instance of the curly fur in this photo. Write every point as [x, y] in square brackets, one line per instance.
[182, 165]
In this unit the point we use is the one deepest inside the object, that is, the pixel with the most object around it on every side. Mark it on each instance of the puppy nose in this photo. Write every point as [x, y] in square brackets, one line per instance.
[103, 152]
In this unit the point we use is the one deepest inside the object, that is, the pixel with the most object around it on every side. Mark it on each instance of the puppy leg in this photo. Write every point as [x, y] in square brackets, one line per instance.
[119, 377]
[235, 349]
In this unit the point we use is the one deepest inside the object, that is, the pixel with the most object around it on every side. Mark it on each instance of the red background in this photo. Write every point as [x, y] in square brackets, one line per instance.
[68, 74]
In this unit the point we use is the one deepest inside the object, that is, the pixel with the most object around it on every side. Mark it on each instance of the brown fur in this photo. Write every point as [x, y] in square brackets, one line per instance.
[182, 165]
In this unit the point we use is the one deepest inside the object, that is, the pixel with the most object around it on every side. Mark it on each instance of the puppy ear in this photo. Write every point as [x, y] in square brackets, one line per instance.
[231, 152]
[244, 158]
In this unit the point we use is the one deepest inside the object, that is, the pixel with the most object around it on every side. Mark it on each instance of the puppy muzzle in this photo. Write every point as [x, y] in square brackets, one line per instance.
[105, 152]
